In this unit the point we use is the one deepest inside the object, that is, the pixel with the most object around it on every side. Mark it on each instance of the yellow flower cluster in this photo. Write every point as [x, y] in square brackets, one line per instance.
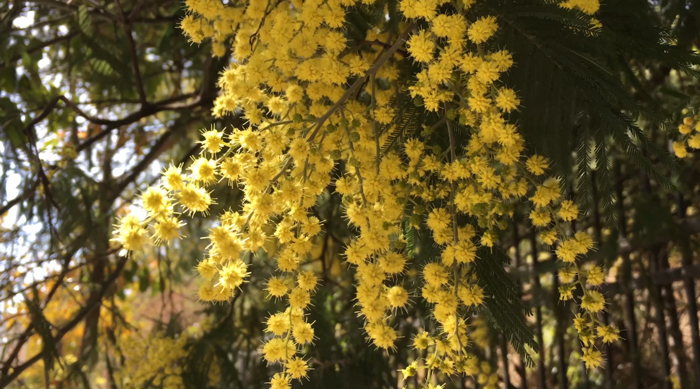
[589, 7]
[586, 322]
[435, 348]
[158, 360]
[314, 100]
[131, 232]
[155, 361]
[690, 136]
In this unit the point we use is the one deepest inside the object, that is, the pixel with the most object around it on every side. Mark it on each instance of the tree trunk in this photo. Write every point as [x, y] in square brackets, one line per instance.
[598, 236]
[541, 373]
[660, 319]
[674, 327]
[504, 359]
[559, 313]
[516, 253]
[632, 336]
[689, 285]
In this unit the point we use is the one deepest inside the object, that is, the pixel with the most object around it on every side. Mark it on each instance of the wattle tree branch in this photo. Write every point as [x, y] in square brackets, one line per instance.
[94, 300]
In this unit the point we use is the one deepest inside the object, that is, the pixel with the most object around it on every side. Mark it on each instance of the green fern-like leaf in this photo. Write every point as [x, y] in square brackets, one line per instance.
[84, 20]
[101, 66]
[504, 303]
[406, 123]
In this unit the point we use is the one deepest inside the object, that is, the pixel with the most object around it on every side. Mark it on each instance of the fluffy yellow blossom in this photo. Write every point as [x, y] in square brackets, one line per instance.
[207, 269]
[303, 333]
[166, 229]
[471, 295]
[194, 198]
[233, 274]
[392, 263]
[595, 276]
[506, 99]
[587, 6]
[608, 333]
[277, 324]
[482, 29]
[410, 370]
[203, 170]
[567, 250]
[421, 46]
[540, 217]
[172, 178]
[488, 239]
[592, 357]
[383, 115]
[276, 349]
[435, 274]
[397, 297]
[584, 242]
[297, 368]
[546, 193]
[537, 165]
[422, 341]
[503, 59]
[280, 381]
[549, 236]
[213, 140]
[593, 301]
[131, 234]
[566, 292]
[156, 359]
[155, 200]
[568, 210]
[680, 150]
[276, 287]
[299, 298]
[321, 114]
[694, 141]
[567, 274]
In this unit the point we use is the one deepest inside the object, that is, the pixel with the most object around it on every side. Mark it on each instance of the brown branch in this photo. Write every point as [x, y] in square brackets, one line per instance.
[156, 20]
[158, 148]
[19, 198]
[93, 302]
[146, 110]
[132, 49]
[205, 96]
[357, 85]
[58, 275]
[33, 152]
[136, 9]
[193, 151]
[36, 25]
[385, 45]
[38, 47]
[55, 4]
[24, 337]
[129, 119]
[135, 64]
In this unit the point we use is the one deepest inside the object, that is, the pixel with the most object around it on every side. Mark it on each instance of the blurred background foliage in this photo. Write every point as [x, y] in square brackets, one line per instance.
[97, 96]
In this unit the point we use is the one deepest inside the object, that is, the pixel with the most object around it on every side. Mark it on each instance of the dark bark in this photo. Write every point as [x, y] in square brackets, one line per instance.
[631, 336]
[660, 321]
[504, 359]
[689, 286]
[541, 373]
[674, 327]
[603, 262]
[560, 331]
[522, 371]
